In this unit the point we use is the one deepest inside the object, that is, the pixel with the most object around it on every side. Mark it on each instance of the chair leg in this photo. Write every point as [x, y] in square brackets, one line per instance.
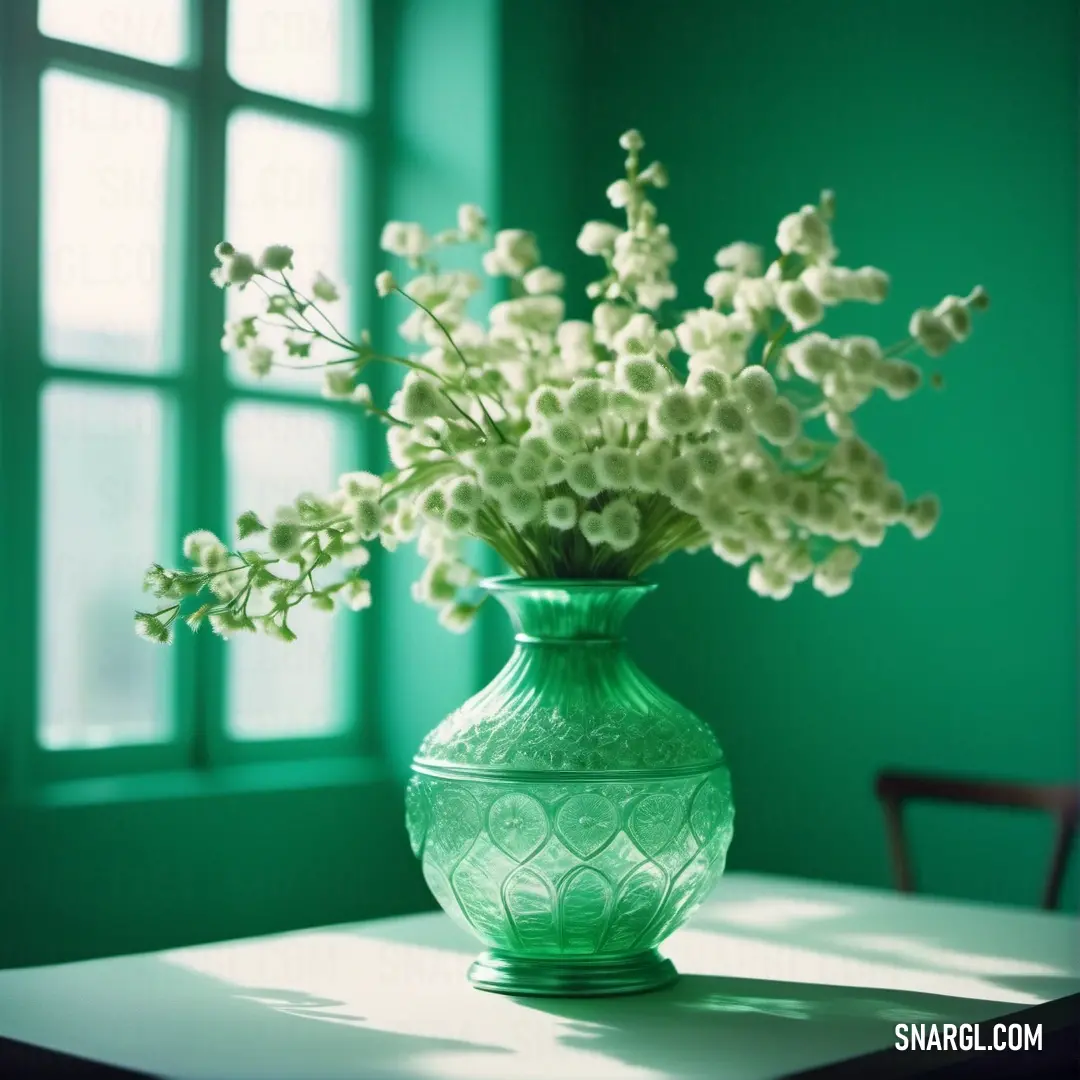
[901, 864]
[1066, 833]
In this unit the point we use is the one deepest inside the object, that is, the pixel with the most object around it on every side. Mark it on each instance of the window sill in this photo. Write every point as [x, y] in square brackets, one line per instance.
[193, 783]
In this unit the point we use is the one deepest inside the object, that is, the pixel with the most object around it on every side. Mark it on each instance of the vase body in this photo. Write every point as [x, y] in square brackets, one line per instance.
[571, 814]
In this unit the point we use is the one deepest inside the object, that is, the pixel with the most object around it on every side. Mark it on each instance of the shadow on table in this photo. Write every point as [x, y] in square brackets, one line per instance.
[205, 1023]
[705, 1025]
[854, 931]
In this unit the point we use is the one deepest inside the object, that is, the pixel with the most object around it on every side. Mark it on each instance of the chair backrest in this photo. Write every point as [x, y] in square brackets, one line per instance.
[1062, 801]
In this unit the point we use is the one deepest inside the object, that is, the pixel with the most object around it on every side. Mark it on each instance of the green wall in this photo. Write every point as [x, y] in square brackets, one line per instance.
[949, 131]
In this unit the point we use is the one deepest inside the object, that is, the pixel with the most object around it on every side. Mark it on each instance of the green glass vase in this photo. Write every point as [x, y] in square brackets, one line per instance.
[571, 814]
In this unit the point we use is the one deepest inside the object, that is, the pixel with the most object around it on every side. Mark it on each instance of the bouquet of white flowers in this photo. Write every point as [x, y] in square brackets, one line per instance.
[578, 449]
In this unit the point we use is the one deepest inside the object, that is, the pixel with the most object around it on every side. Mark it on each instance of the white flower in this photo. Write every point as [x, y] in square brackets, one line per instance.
[745, 259]
[598, 237]
[385, 283]
[632, 140]
[582, 476]
[922, 515]
[565, 435]
[806, 233]
[514, 254]
[621, 523]
[734, 550]
[458, 617]
[586, 399]
[338, 384]
[800, 306]
[285, 537]
[931, 332]
[830, 284]
[754, 296]
[860, 354]
[722, 286]
[471, 221]
[545, 403]
[560, 512]
[592, 527]
[727, 418]
[542, 280]
[520, 506]
[614, 467]
[276, 257]
[620, 193]
[575, 339]
[529, 469]
[239, 334]
[529, 314]
[954, 314]
[778, 422]
[357, 593]
[260, 359]
[755, 385]
[897, 378]
[204, 548]
[833, 576]
[714, 339]
[236, 269]
[367, 517]
[870, 284]
[654, 173]
[638, 337]
[357, 485]
[651, 294]
[420, 398]
[608, 320]
[465, 494]
[404, 238]
[769, 581]
[676, 412]
[840, 424]
[640, 375]
[324, 289]
[812, 356]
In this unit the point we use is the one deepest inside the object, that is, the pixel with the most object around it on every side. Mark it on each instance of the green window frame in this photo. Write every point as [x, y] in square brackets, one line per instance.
[139, 848]
[197, 390]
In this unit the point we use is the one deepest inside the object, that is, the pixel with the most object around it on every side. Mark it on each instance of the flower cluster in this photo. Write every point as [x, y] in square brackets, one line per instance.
[580, 448]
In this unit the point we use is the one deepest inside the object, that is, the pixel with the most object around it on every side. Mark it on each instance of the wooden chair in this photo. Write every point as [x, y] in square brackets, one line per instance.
[894, 788]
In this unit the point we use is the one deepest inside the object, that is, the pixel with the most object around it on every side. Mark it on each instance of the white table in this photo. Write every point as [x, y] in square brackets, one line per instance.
[779, 975]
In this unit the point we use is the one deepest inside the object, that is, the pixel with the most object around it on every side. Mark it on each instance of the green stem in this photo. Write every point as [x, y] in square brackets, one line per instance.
[460, 355]
[774, 342]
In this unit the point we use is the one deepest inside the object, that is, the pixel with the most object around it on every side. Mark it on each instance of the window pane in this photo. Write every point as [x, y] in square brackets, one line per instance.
[103, 519]
[279, 690]
[308, 50]
[290, 184]
[155, 30]
[105, 169]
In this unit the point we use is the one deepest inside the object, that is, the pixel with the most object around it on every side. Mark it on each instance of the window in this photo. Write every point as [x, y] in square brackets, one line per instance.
[144, 132]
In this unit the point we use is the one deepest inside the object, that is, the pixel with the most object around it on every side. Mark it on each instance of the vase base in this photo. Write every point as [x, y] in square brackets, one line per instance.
[503, 973]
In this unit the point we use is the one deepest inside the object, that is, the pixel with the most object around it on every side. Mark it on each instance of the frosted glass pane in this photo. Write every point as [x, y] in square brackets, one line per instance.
[307, 50]
[155, 30]
[103, 520]
[104, 197]
[279, 690]
[290, 184]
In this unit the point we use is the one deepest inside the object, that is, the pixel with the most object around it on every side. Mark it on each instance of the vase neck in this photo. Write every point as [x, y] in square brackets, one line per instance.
[573, 612]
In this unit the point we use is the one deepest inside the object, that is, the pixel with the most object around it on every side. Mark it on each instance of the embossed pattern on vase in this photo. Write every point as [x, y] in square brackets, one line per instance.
[571, 869]
[571, 809]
